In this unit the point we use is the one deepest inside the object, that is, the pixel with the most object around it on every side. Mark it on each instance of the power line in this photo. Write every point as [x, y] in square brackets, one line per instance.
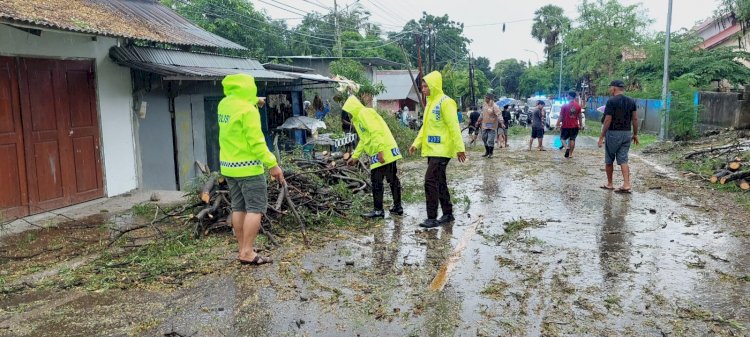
[281, 8]
[387, 11]
[497, 23]
[317, 4]
[396, 38]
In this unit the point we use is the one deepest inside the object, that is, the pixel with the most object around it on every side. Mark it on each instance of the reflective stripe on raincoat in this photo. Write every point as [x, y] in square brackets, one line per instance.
[440, 135]
[243, 150]
[374, 134]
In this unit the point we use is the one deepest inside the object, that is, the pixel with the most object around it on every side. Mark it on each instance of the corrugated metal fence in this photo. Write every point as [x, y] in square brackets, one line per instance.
[649, 112]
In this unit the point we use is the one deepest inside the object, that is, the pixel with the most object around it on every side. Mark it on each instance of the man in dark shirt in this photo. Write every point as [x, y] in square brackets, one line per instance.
[537, 126]
[502, 133]
[473, 119]
[619, 115]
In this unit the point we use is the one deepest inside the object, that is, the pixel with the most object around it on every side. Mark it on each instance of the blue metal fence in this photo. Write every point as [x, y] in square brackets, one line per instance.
[649, 111]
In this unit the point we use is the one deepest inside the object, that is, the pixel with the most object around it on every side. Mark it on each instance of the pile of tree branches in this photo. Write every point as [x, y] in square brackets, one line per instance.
[731, 167]
[735, 170]
[310, 188]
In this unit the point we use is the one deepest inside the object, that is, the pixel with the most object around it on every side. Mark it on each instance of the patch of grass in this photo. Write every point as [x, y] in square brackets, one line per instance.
[504, 261]
[646, 139]
[494, 289]
[593, 128]
[517, 130]
[512, 229]
[168, 260]
[345, 251]
[143, 209]
[411, 193]
[612, 301]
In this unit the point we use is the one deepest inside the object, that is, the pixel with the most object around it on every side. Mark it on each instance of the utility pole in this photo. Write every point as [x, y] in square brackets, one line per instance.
[339, 51]
[418, 39]
[664, 130]
[559, 85]
[471, 80]
[431, 42]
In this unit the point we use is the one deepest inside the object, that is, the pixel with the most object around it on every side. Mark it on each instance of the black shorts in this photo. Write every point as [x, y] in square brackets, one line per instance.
[569, 133]
[537, 133]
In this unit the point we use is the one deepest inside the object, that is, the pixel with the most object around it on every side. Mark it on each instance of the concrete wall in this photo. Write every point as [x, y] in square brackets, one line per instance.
[113, 89]
[725, 110]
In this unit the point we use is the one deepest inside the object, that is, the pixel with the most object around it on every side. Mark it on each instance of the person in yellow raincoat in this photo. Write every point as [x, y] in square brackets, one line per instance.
[243, 155]
[377, 142]
[439, 140]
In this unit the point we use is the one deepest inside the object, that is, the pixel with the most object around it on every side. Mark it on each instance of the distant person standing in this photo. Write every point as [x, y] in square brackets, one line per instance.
[571, 122]
[439, 139]
[502, 132]
[537, 125]
[489, 121]
[473, 128]
[620, 129]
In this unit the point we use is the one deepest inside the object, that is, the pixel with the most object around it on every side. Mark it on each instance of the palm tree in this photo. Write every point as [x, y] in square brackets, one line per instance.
[549, 22]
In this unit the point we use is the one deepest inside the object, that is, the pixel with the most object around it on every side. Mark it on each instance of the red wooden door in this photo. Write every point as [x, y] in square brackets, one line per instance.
[14, 196]
[82, 128]
[41, 98]
[61, 133]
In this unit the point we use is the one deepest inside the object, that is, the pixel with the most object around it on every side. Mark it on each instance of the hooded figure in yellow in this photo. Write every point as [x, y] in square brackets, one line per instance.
[439, 140]
[243, 154]
[376, 140]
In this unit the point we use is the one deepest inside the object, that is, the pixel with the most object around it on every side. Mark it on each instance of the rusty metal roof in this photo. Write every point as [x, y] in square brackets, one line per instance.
[181, 65]
[145, 20]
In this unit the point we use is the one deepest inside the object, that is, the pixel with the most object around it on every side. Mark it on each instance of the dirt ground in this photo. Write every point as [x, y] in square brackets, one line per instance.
[538, 249]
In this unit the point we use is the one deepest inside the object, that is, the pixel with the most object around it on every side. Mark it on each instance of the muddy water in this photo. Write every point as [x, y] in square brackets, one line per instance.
[603, 263]
[594, 263]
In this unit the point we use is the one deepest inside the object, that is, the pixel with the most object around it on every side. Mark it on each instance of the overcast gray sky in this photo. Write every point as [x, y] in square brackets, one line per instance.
[488, 40]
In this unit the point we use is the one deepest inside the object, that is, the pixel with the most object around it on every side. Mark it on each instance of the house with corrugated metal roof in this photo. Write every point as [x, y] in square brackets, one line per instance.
[91, 108]
[400, 91]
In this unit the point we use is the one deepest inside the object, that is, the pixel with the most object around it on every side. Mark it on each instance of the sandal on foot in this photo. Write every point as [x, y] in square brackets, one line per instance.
[605, 187]
[257, 261]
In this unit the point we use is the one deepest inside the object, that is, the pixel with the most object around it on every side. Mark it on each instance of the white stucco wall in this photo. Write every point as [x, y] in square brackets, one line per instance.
[113, 89]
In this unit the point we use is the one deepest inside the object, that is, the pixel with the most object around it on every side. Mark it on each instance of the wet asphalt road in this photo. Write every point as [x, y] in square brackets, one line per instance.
[590, 263]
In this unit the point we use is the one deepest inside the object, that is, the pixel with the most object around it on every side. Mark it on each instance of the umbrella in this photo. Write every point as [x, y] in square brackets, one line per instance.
[504, 101]
[303, 123]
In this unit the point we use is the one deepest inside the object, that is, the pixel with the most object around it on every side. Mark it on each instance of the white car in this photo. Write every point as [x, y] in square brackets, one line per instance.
[553, 114]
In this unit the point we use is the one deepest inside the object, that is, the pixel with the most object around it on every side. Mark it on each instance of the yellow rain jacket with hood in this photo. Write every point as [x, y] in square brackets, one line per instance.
[440, 135]
[374, 134]
[243, 150]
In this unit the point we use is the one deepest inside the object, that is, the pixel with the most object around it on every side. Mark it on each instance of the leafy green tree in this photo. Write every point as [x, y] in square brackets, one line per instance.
[549, 23]
[456, 84]
[703, 66]
[355, 71]
[538, 79]
[237, 21]
[451, 45]
[508, 75]
[605, 28]
[482, 64]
